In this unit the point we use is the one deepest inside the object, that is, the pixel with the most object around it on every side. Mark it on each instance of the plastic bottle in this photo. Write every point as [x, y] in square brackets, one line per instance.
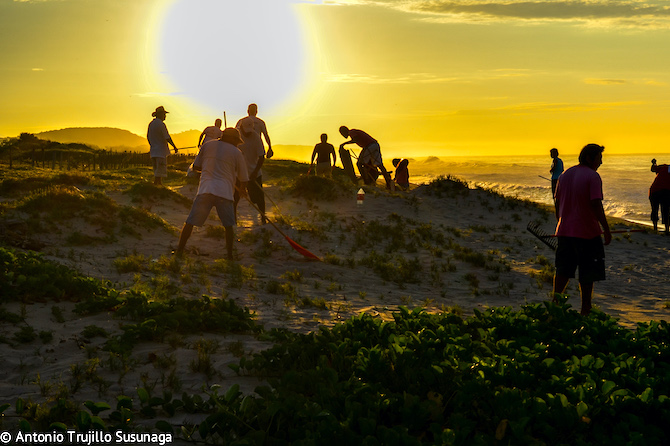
[360, 196]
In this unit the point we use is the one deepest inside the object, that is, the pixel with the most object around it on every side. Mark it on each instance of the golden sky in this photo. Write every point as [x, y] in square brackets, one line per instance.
[470, 77]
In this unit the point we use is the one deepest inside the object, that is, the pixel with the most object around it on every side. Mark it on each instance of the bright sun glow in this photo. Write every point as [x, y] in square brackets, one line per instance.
[225, 54]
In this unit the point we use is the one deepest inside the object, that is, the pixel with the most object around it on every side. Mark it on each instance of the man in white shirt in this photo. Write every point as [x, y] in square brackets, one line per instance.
[159, 137]
[221, 165]
[251, 129]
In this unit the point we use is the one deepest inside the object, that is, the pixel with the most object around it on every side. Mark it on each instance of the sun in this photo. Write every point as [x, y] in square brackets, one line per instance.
[226, 54]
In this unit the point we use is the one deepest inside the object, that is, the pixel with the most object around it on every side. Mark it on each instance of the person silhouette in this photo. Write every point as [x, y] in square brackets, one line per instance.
[580, 213]
[659, 195]
[556, 170]
[322, 152]
[210, 133]
[370, 156]
[251, 129]
[159, 137]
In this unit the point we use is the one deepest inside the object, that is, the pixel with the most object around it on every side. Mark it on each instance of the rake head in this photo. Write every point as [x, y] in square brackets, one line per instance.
[547, 239]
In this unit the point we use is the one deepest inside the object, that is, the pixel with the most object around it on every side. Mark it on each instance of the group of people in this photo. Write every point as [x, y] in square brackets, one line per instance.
[369, 161]
[229, 162]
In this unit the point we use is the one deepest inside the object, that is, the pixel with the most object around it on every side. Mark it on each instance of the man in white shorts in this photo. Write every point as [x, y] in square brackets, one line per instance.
[159, 137]
[222, 166]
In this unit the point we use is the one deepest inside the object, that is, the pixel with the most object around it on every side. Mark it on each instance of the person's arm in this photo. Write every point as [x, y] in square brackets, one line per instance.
[313, 156]
[597, 206]
[332, 152]
[553, 166]
[202, 135]
[259, 164]
[169, 140]
[264, 132]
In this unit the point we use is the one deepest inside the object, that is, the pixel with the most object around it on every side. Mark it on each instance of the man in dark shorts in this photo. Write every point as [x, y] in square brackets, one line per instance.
[580, 213]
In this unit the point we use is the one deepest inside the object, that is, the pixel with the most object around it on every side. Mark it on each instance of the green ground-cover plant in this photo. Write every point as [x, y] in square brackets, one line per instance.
[29, 277]
[540, 375]
[154, 320]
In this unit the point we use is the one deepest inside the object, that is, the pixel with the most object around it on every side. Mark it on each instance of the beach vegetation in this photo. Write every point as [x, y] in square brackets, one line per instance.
[319, 188]
[144, 191]
[448, 186]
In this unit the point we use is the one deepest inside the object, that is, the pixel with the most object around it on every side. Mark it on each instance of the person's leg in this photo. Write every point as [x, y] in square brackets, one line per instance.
[183, 238]
[256, 195]
[387, 176]
[225, 210]
[560, 284]
[230, 238]
[586, 290]
[197, 217]
[654, 210]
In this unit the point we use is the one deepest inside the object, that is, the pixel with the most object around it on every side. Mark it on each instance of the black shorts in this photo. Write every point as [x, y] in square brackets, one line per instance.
[586, 254]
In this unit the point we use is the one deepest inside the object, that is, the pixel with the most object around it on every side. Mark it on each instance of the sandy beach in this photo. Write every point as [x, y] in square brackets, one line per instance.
[442, 247]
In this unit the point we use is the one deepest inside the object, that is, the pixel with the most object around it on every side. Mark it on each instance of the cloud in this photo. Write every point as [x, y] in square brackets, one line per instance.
[628, 13]
[605, 81]
[426, 78]
[547, 107]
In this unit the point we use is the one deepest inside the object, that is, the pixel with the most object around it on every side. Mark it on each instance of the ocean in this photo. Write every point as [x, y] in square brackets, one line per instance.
[626, 178]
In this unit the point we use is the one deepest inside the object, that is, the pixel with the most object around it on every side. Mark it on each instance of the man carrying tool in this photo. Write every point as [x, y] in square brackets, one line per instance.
[222, 166]
[159, 137]
[580, 213]
[251, 128]
[370, 155]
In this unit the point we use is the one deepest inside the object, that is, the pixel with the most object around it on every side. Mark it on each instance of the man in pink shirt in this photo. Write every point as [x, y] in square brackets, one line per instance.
[580, 213]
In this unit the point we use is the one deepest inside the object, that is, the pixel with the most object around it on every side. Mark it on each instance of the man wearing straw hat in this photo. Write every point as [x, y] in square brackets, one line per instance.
[159, 137]
[222, 165]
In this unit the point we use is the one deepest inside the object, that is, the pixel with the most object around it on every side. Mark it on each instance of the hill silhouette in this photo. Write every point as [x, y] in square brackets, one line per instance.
[113, 138]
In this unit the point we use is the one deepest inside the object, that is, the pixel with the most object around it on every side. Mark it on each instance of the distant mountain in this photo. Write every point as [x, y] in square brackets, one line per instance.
[113, 138]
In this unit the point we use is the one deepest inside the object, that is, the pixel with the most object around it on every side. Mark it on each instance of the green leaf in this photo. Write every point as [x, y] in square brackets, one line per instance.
[83, 421]
[582, 408]
[143, 394]
[58, 426]
[608, 386]
[647, 395]
[24, 426]
[98, 424]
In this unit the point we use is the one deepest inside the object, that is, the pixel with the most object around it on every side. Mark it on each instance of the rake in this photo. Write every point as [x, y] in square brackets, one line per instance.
[548, 239]
[551, 241]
